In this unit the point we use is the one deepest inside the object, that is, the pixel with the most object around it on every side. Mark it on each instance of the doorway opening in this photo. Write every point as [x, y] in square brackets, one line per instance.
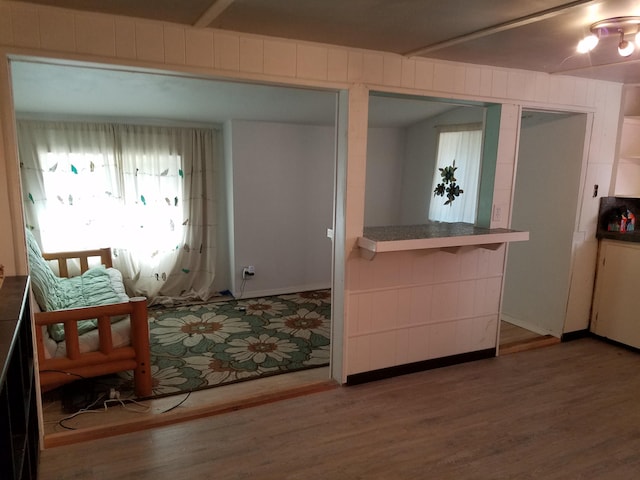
[272, 135]
[547, 187]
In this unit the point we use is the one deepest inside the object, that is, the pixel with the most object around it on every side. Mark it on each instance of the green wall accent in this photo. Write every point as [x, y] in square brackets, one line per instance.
[488, 169]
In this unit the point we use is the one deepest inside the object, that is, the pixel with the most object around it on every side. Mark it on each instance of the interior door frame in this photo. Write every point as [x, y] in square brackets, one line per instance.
[578, 235]
[8, 144]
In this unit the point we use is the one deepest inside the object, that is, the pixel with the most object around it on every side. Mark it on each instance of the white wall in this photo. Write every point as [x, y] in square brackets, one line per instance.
[282, 205]
[385, 158]
[420, 163]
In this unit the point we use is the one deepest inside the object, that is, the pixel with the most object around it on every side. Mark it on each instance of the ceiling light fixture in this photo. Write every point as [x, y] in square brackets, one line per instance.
[619, 26]
[625, 47]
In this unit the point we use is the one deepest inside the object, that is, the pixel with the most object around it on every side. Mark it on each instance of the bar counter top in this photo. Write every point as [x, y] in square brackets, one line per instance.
[434, 235]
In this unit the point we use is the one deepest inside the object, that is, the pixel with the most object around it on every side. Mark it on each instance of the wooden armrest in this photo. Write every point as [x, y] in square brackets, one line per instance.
[86, 313]
[107, 359]
[81, 255]
[136, 309]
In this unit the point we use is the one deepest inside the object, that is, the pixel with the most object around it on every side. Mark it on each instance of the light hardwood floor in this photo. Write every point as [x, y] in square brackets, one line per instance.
[567, 411]
[118, 419]
[124, 419]
[517, 339]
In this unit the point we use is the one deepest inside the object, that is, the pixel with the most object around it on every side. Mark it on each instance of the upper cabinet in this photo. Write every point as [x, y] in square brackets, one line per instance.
[628, 171]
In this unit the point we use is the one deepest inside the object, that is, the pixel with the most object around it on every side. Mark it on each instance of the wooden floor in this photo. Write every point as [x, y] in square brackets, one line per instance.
[61, 429]
[568, 411]
[517, 339]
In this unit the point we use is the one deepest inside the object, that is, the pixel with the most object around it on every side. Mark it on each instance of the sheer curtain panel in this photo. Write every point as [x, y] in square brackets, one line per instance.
[462, 143]
[146, 191]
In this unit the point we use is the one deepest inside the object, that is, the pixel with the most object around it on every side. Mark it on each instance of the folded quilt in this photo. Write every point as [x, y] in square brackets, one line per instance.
[96, 286]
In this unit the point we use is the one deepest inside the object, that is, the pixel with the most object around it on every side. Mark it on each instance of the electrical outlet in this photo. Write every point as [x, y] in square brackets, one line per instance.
[497, 213]
[248, 272]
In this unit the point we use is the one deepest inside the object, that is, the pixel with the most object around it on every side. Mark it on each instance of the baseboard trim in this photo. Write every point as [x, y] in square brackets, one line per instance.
[381, 374]
[615, 342]
[280, 291]
[576, 335]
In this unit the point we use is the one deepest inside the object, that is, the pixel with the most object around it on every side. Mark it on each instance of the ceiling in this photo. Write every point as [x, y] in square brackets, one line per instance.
[48, 89]
[539, 35]
[67, 91]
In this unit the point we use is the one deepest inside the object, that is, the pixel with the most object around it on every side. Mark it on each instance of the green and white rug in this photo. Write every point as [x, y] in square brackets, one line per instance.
[208, 345]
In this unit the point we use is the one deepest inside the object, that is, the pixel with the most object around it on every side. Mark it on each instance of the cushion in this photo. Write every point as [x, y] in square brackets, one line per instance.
[90, 341]
[96, 286]
[43, 281]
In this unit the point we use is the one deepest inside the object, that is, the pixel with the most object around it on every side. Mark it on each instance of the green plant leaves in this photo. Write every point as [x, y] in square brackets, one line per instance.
[448, 185]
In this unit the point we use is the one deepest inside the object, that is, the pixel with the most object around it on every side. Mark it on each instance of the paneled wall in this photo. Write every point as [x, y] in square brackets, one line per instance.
[407, 307]
[388, 282]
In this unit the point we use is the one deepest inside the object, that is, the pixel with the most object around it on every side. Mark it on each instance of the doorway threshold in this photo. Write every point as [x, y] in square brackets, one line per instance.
[132, 417]
[523, 345]
[517, 339]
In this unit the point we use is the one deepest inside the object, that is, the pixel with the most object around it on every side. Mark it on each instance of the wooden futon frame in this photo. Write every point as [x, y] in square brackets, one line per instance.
[55, 372]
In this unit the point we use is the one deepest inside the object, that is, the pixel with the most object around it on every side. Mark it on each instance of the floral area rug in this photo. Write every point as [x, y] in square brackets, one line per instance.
[207, 345]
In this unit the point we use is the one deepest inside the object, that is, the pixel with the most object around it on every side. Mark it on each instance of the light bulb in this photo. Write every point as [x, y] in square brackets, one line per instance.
[587, 44]
[625, 48]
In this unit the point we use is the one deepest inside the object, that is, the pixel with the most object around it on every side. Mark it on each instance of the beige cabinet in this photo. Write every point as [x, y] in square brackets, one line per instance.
[615, 313]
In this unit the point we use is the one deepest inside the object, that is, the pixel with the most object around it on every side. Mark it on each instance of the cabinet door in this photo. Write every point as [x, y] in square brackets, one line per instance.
[615, 312]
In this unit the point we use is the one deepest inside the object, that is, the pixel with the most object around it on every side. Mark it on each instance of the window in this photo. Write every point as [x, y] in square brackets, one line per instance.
[124, 207]
[462, 144]
[145, 191]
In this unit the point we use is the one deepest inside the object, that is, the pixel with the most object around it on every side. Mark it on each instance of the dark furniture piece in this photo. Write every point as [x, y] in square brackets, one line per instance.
[19, 436]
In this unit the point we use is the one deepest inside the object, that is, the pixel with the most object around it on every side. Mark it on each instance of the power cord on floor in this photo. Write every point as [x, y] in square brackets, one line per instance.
[178, 404]
[123, 403]
[87, 409]
[115, 398]
[242, 285]
[70, 374]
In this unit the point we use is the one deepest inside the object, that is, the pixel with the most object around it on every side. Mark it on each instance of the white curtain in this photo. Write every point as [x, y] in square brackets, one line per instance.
[145, 191]
[462, 143]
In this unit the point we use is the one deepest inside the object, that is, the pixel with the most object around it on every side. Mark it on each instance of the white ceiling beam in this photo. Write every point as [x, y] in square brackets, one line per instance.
[500, 27]
[213, 12]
